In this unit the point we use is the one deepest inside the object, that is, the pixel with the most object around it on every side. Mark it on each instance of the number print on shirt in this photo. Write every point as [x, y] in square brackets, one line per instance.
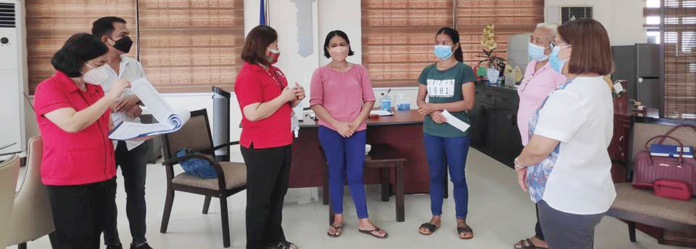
[440, 88]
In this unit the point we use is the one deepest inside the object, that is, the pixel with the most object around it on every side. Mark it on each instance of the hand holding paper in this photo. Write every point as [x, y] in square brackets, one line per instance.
[170, 119]
[454, 121]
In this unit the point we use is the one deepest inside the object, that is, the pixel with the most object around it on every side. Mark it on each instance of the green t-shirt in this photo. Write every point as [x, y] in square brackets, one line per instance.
[445, 87]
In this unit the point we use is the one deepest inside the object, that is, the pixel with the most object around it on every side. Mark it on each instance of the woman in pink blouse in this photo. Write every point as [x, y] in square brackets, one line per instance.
[341, 96]
[539, 81]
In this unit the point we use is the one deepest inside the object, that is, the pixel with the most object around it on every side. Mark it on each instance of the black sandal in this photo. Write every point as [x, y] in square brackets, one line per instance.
[338, 229]
[527, 244]
[465, 229]
[371, 232]
[429, 226]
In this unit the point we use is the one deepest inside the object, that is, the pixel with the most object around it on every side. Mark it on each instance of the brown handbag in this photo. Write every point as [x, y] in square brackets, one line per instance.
[647, 169]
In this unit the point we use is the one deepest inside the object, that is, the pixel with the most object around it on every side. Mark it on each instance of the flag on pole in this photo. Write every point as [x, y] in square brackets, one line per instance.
[262, 13]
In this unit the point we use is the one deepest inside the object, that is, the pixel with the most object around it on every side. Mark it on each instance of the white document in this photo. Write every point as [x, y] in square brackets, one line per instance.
[454, 121]
[170, 119]
[381, 113]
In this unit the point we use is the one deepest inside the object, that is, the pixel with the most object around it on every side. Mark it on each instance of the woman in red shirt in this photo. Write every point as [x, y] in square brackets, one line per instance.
[266, 101]
[78, 164]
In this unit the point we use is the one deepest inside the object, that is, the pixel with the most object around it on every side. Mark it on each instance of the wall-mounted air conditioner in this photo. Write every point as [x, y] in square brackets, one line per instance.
[562, 14]
[12, 87]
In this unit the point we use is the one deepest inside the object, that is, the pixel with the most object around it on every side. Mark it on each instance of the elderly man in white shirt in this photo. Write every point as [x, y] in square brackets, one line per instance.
[131, 156]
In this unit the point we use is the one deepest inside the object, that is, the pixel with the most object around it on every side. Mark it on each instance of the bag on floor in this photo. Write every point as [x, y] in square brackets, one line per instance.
[196, 166]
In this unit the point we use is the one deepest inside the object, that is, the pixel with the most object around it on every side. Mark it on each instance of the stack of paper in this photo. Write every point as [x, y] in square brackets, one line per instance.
[381, 113]
[170, 119]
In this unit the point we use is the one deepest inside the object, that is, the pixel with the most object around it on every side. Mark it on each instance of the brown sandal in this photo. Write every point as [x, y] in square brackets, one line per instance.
[371, 232]
[338, 231]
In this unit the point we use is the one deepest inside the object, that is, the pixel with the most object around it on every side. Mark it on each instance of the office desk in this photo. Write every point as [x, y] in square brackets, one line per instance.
[403, 132]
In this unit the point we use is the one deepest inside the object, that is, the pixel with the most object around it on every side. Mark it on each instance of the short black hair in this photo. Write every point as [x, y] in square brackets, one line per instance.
[258, 39]
[76, 51]
[333, 34]
[105, 25]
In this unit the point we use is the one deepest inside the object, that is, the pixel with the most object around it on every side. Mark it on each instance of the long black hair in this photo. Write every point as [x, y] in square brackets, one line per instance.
[454, 35]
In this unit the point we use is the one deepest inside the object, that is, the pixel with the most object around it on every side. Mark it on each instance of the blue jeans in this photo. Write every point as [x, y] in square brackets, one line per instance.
[345, 156]
[134, 170]
[442, 151]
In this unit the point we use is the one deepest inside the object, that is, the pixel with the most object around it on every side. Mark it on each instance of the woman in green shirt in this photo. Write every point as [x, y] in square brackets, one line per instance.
[449, 86]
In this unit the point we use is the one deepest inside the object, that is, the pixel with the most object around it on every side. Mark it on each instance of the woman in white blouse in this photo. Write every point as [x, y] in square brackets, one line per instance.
[566, 166]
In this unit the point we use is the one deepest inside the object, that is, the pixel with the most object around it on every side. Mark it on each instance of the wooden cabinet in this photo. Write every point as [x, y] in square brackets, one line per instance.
[494, 123]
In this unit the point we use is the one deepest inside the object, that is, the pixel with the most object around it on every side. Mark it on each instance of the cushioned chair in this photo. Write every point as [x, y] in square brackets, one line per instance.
[642, 206]
[32, 217]
[195, 135]
[9, 170]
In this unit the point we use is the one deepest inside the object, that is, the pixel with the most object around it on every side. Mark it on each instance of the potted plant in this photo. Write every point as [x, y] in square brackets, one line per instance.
[495, 63]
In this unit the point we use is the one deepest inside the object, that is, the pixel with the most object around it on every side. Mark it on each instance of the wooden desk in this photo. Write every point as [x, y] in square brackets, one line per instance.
[403, 132]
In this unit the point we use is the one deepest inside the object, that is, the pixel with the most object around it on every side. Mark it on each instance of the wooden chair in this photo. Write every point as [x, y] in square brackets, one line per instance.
[380, 157]
[195, 135]
[642, 206]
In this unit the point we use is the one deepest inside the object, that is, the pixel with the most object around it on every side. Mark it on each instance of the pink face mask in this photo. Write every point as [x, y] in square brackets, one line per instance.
[339, 53]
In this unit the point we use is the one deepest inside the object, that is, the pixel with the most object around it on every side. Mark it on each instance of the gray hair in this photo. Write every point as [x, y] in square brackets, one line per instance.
[552, 29]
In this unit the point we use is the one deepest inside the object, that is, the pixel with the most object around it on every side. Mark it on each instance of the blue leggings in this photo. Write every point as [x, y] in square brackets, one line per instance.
[442, 151]
[345, 156]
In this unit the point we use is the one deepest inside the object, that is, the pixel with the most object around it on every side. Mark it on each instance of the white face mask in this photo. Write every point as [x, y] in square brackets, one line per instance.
[96, 76]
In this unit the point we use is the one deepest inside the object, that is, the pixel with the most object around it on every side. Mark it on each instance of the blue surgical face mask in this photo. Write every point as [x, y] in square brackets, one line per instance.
[443, 52]
[536, 52]
[556, 63]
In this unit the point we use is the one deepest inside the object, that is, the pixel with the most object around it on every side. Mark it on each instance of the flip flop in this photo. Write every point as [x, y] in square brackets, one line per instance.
[371, 232]
[338, 229]
[465, 229]
[527, 244]
[429, 226]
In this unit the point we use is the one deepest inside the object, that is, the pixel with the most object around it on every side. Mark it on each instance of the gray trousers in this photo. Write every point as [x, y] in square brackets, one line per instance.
[567, 231]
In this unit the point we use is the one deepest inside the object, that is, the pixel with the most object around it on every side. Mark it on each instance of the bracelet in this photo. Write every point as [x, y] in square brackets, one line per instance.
[517, 164]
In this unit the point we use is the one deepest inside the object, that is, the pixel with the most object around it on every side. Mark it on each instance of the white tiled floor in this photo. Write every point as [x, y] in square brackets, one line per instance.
[499, 212]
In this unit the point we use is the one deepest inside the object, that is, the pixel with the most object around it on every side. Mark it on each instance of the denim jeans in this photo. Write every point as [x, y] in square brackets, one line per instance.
[441, 152]
[346, 156]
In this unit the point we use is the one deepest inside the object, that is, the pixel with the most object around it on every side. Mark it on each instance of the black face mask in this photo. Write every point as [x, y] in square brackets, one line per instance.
[124, 44]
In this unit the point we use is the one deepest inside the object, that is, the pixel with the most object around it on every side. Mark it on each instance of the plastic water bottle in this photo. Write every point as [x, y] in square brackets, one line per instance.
[386, 102]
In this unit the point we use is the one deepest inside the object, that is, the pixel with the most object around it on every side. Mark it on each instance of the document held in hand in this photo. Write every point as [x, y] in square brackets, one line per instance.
[454, 121]
[170, 119]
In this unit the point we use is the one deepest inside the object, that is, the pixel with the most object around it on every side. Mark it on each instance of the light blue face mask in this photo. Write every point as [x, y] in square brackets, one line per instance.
[556, 63]
[536, 52]
[443, 52]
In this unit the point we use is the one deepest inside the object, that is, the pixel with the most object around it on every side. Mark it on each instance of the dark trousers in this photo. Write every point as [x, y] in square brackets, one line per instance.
[565, 230]
[78, 214]
[537, 229]
[134, 170]
[268, 173]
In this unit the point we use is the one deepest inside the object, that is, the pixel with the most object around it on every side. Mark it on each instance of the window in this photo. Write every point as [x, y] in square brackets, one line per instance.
[184, 45]
[51, 22]
[680, 58]
[189, 46]
[398, 36]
